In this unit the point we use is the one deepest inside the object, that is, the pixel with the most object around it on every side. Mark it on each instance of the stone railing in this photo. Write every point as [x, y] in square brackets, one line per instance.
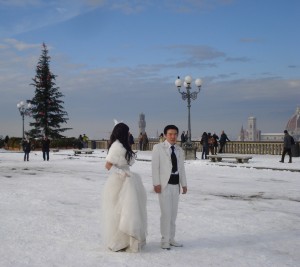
[236, 147]
[271, 148]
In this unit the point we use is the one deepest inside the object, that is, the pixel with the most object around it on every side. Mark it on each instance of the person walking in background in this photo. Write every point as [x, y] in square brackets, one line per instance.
[161, 138]
[216, 138]
[26, 148]
[288, 141]
[6, 140]
[46, 148]
[145, 141]
[211, 142]
[130, 139]
[223, 140]
[80, 142]
[168, 176]
[186, 137]
[204, 143]
[182, 138]
[85, 140]
[124, 197]
[141, 141]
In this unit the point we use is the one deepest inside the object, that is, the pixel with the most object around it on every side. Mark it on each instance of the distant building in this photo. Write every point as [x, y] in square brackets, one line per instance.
[271, 137]
[253, 134]
[142, 123]
[293, 125]
[250, 134]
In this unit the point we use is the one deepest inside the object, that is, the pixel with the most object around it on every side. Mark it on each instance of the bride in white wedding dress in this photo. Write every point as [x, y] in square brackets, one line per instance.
[124, 197]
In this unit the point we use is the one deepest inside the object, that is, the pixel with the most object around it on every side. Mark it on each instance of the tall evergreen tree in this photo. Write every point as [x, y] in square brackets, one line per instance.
[47, 110]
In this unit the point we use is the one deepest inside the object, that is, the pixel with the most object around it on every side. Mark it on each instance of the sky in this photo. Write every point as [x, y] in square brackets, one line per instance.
[117, 59]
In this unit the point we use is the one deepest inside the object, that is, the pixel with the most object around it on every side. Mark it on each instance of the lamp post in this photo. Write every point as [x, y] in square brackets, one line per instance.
[24, 111]
[190, 149]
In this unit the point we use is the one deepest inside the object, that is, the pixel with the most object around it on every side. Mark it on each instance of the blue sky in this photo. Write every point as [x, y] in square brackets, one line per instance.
[116, 59]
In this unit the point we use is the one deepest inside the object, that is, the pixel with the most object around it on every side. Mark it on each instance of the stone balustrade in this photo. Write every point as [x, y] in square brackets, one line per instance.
[236, 147]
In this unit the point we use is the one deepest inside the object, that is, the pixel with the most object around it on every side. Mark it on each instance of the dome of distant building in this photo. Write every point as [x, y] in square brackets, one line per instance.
[293, 125]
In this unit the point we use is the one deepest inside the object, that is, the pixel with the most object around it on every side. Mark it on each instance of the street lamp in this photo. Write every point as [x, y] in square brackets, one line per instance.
[190, 149]
[24, 111]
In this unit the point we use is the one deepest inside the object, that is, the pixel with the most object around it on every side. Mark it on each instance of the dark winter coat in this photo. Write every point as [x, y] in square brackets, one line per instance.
[182, 137]
[224, 138]
[26, 146]
[45, 145]
[131, 139]
[287, 141]
[204, 140]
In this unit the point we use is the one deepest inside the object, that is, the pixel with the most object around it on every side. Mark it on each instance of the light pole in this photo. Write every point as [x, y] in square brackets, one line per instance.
[24, 111]
[190, 149]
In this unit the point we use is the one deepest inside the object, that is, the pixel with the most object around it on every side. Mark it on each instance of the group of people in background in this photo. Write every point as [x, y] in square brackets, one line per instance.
[27, 147]
[210, 143]
[83, 141]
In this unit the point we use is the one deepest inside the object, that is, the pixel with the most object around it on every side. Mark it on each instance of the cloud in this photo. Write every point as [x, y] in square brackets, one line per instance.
[197, 52]
[191, 56]
[74, 76]
[189, 6]
[21, 46]
[17, 63]
[61, 10]
[115, 59]
[34, 15]
[237, 59]
[294, 84]
[37, 14]
[178, 6]
[262, 89]
[91, 92]
[191, 63]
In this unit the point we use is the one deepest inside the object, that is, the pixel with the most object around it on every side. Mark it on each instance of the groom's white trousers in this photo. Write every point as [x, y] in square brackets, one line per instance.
[168, 201]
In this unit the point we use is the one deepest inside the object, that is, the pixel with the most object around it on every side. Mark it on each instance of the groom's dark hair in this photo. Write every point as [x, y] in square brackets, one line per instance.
[170, 127]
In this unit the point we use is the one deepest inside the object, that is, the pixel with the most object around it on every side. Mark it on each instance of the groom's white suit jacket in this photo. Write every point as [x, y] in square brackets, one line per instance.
[162, 165]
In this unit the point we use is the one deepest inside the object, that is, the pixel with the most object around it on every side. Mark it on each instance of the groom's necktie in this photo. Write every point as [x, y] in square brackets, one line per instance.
[174, 160]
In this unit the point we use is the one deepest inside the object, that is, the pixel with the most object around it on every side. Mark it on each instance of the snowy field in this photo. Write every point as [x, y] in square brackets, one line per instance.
[233, 215]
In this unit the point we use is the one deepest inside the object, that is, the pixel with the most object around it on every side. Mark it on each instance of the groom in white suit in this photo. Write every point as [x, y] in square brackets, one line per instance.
[168, 175]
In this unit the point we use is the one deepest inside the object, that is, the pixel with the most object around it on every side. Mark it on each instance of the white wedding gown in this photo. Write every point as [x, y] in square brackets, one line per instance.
[124, 204]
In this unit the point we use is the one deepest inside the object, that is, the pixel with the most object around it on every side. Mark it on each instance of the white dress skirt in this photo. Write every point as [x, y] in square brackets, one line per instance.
[124, 205]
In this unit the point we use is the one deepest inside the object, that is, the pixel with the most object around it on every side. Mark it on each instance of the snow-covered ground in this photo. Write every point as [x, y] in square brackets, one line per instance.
[233, 215]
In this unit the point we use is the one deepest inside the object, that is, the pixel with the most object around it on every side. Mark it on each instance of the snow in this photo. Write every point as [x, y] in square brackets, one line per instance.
[233, 215]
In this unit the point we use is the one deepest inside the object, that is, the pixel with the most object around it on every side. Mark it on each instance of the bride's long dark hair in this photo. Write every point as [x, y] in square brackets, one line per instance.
[121, 132]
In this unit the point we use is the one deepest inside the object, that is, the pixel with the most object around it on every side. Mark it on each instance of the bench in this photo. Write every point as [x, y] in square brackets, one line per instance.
[239, 158]
[83, 151]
